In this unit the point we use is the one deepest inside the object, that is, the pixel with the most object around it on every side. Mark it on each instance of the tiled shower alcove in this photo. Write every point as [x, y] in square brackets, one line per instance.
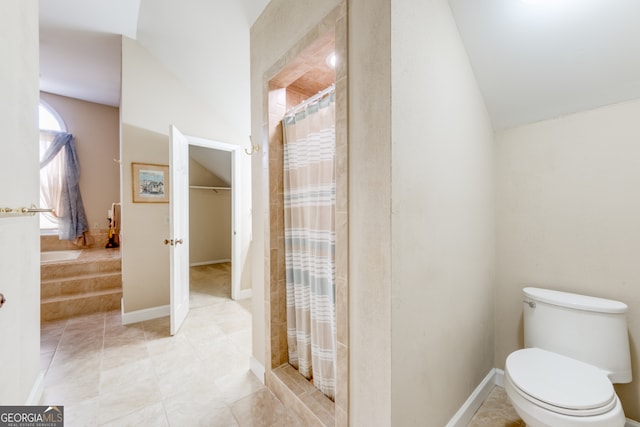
[282, 90]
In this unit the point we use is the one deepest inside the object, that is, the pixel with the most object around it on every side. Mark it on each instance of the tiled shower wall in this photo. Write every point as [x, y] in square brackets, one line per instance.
[314, 407]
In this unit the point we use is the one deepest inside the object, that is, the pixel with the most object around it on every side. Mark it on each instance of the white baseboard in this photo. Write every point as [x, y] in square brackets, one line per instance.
[257, 368]
[498, 379]
[217, 261]
[244, 294]
[469, 408]
[35, 396]
[145, 314]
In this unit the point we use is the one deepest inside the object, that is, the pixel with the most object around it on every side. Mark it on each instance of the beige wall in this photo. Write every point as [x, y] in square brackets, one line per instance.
[152, 100]
[145, 259]
[568, 215]
[443, 227]
[209, 218]
[96, 129]
[19, 174]
[209, 226]
[370, 261]
[438, 244]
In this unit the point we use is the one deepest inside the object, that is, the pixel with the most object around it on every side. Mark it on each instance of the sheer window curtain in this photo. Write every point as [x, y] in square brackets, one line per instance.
[309, 193]
[50, 178]
[60, 186]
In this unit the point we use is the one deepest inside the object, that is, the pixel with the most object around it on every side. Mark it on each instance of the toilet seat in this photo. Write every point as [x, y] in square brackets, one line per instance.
[560, 384]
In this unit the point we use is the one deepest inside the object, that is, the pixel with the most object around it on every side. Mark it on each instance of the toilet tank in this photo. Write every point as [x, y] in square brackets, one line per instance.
[589, 329]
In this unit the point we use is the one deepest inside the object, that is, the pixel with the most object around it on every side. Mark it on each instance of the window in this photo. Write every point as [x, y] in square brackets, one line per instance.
[50, 122]
[50, 119]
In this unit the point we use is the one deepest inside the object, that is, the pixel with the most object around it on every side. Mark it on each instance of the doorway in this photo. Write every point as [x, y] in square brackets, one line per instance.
[210, 229]
[223, 158]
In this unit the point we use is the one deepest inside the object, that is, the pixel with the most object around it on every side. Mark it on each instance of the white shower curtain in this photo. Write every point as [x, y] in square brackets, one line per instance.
[309, 193]
[51, 178]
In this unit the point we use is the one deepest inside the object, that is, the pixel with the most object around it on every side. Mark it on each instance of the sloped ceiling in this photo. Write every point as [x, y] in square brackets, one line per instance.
[205, 43]
[217, 162]
[80, 47]
[533, 59]
[538, 59]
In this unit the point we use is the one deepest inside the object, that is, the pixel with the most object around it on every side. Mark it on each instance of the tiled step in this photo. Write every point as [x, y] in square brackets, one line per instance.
[91, 284]
[80, 284]
[71, 268]
[73, 305]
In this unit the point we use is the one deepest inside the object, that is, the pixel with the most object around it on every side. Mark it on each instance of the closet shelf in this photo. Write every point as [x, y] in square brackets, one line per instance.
[205, 187]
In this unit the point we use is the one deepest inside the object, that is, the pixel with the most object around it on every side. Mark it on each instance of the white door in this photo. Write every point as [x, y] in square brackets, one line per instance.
[179, 220]
[19, 184]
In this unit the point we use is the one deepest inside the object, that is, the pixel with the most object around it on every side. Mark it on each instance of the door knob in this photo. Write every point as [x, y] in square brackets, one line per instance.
[2, 300]
[173, 242]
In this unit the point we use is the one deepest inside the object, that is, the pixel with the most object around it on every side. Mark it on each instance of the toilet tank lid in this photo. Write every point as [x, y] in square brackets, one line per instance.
[575, 301]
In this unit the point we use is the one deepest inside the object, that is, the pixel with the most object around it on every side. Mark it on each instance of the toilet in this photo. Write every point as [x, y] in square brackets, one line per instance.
[576, 347]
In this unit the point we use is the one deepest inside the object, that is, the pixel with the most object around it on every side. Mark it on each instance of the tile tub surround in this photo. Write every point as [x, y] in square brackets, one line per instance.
[51, 242]
[90, 283]
[107, 374]
[54, 256]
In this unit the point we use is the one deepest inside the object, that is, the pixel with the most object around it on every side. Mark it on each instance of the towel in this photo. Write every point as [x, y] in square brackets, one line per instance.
[85, 240]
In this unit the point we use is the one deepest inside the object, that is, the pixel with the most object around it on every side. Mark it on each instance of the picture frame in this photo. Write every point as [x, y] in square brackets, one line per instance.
[150, 183]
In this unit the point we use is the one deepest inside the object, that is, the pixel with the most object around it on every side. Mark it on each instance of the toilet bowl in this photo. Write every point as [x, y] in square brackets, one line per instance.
[552, 390]
[576, 348]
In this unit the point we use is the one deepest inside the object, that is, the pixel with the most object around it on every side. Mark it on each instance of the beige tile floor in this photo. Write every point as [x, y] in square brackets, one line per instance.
[496, 411]
[107, 374]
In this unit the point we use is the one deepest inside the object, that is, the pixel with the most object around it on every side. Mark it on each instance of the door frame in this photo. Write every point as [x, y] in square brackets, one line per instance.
[236, 191]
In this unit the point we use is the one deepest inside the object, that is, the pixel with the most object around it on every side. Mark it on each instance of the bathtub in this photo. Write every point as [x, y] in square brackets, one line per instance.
[57, 256]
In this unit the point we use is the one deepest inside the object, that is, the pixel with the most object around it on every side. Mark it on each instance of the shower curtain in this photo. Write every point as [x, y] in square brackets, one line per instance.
[309, 214]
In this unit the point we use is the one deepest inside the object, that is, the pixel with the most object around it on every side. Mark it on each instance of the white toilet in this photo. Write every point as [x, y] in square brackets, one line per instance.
[575, 348]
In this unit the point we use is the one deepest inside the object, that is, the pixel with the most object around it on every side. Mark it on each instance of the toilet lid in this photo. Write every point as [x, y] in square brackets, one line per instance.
[559, 381]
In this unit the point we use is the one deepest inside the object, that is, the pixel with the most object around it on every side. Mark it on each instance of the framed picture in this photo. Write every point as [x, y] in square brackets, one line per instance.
[150, 183]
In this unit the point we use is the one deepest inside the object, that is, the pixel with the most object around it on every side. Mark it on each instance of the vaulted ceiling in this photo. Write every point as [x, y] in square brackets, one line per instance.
[205, 43]
[538, 59]
[533, 59]
[80, 47]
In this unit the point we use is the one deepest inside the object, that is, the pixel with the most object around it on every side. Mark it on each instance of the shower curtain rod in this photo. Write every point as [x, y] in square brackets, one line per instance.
[311, 100]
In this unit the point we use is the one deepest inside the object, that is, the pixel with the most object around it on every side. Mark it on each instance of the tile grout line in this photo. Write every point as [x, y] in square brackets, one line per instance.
[229, 327]
[102, 358]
